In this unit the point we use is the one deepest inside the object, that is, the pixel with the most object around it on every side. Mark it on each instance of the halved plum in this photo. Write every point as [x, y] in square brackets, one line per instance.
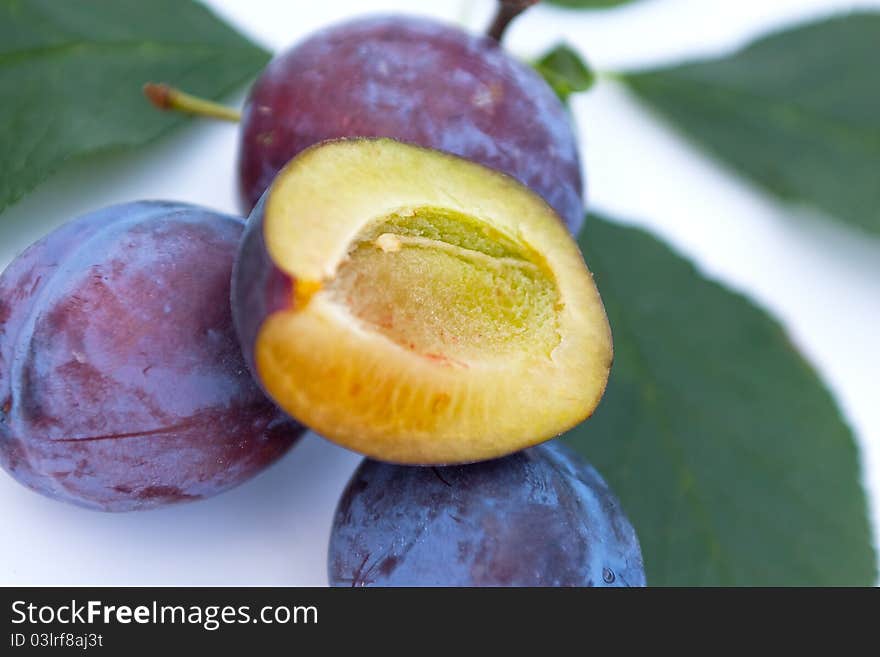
[417, 307]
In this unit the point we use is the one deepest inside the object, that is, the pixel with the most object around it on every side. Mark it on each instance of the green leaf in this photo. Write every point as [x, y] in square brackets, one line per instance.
[798, 112]
[588, 4]
[71, 75]
[564, 71]
[728, 453]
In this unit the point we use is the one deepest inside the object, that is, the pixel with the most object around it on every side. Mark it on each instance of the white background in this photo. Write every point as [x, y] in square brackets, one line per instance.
[819, 278]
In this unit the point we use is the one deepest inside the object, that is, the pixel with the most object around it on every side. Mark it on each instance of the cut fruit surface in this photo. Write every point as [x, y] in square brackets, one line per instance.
[417, 307]
[447, 287]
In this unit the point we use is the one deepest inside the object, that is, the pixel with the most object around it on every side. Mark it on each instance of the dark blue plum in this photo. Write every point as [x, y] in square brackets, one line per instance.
[541, 517]
[415, 80]
[122, 384]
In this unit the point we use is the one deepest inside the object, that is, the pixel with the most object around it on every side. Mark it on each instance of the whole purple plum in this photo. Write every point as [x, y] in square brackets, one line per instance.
[541, 517]
[122, 385]
[414, 80]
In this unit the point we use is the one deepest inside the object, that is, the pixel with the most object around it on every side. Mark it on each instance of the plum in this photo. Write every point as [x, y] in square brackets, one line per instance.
[122, 384]
[419, 81]
[541, 517]
[418, 307]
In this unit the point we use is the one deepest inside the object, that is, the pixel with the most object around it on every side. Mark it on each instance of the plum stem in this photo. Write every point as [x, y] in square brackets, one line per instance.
[507, 11]
[168, 98]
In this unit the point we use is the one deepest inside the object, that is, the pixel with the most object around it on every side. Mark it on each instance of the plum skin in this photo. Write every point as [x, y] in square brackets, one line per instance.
[122, 384]
[540, 517]
[414, 80]
[259, 286]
